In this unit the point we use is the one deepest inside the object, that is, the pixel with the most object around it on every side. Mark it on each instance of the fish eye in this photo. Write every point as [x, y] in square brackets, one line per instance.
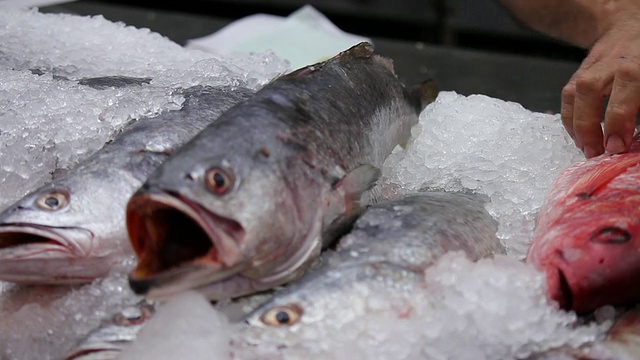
[282, 315]
[218, 181]
[53, 201]
[134, 315]
[611, 235]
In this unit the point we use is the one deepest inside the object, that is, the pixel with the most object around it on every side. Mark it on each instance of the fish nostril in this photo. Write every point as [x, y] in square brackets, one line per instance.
[611, 235]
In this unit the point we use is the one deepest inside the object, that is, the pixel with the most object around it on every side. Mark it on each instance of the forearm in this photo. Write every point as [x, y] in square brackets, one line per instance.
[580, 22]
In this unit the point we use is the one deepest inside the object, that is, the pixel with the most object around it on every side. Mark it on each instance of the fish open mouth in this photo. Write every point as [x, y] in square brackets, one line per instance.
[29, 240]
[32, 253]
[565, 295]
[175, 238]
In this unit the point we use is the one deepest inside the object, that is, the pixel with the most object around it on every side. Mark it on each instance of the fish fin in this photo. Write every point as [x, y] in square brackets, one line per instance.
[588, 184]
[355, 183]
[424, 93]
[361, 50]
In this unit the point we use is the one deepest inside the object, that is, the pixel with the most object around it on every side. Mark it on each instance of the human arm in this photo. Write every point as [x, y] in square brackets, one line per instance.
[611, 29]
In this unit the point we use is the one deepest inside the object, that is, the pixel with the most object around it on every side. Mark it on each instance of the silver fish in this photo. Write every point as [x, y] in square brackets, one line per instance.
[72, 229]
[390, 247]
[251, 200]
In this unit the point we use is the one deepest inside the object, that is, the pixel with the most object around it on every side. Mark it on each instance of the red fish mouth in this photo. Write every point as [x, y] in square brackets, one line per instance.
[179, 244]
[562, 293]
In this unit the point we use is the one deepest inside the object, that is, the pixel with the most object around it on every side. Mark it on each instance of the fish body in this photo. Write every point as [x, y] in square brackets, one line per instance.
[587, 234]
[72, 229]
[388, 250]
[249, 202]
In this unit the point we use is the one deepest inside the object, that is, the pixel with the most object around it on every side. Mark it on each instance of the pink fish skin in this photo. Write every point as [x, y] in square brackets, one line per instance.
[587, 235]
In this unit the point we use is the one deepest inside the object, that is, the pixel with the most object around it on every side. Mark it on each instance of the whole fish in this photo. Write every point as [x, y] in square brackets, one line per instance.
[587, 235]
[72, 229]
[251, 200]
[390, 246]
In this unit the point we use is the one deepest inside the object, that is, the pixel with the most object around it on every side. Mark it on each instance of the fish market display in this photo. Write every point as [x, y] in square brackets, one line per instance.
[390, 247]
[586, 237]
[249, 202]
[72, 229]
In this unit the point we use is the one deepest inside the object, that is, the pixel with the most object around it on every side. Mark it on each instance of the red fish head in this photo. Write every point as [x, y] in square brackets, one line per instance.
[591, 257]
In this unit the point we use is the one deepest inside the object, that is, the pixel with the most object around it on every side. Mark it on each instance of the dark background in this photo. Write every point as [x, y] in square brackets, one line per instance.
[468, 46]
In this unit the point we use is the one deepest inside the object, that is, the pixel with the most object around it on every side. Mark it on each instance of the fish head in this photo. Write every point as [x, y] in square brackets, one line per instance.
[591, 254]
[203, 218]
[330, 298]
[107, 341]
[64, 232]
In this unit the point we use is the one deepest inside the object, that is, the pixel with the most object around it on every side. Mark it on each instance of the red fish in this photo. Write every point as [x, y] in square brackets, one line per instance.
[587, 235]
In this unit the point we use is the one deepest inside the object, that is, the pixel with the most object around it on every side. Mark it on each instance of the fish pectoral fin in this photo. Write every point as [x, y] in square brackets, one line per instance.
[355, 183]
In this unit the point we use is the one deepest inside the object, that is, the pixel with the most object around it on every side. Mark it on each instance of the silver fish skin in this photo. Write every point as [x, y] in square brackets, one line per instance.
[390, 247]
[72, 229]
[251, 201]
[108, 340]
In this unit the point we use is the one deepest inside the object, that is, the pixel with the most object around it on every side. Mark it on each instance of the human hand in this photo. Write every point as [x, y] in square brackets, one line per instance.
[612, 69]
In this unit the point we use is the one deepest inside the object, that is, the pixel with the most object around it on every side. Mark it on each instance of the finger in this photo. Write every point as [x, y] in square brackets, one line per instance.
[591, 89]
[620, 116]
[566, 109]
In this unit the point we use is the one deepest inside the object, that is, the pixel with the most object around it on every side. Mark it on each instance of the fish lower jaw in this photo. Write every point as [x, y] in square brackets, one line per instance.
[164, 286]
[54, 270]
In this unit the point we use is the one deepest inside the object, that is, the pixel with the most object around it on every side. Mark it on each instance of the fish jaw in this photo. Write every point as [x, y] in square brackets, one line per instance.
[37, 254]
[206, 250]
[587, 280]
[102, 351]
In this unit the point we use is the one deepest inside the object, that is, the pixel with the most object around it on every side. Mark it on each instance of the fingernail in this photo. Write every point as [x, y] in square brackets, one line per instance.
[615, 145]
[589, 152]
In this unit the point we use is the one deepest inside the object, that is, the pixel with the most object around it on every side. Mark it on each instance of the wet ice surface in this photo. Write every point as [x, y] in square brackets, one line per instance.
[493, 309]
[49, 121]
[490, 147]
[189, 314]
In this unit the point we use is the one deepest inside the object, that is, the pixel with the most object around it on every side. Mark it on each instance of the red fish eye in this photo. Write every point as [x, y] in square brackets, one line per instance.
[611, 235]
[218, 181]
